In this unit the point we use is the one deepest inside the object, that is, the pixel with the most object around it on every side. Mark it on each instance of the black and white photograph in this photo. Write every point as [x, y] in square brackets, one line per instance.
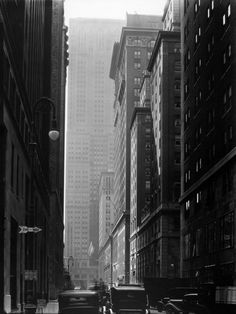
[117, 156]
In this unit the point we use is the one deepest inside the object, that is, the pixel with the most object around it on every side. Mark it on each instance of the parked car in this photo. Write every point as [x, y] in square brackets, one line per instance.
[79, 302]
[184, 300]
[188, 305]
[129, 299]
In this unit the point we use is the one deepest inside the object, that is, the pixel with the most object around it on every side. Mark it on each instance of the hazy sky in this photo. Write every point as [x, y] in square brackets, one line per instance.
[114, 9]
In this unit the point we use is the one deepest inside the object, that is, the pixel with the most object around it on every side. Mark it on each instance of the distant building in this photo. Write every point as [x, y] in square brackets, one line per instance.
[130, 58]
[106, 207]
[33, 65]
[89, 138]
[143, 182]
[208, 145]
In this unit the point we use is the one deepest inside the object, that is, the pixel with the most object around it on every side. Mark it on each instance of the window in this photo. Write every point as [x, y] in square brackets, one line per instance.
[224, 19]
[187, 176]
[187, 58]
[229, 10]
[187, 117]
[137, 65]
[136, 92]
[210, 118]
[149, 55]
[137, 42]
[227, 231]
[211, 237]
[198, 134]
[137, 80]
[196, 6]
[198, 165]
[177, 66]
[227, 98]
[177, 140]
[198, 99]
[198, 197]
[198, 35]
[177, 85]
[147, 185]
[151, 44]
[186, 89]
[187, 148]
[177, 104]
[227, 55]
[177, 123]
[226, 16]
[137, 53]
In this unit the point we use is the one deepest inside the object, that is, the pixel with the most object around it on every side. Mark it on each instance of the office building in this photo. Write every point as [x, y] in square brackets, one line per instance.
[130, 58]
[106, 207]
[30, 50]
[89, 138]
[143, 184]
[208, 149]
[106, 218]
[165, 70]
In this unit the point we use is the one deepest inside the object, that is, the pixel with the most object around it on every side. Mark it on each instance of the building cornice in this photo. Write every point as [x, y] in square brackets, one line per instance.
[127, 31]
[162, 35]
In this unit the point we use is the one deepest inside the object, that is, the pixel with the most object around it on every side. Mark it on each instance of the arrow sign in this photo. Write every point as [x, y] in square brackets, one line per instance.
[25, 229]
[36, 229]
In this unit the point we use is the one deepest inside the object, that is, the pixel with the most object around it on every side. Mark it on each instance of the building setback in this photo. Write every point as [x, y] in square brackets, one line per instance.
[209, 139]
[130, 58]
[27, 155]
[89, 139]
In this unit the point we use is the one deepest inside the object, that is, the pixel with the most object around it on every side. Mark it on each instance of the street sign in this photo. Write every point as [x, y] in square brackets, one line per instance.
[25, 229]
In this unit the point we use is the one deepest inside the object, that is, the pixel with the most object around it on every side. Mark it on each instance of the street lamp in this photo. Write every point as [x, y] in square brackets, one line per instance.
[31, 272]
[53, 133]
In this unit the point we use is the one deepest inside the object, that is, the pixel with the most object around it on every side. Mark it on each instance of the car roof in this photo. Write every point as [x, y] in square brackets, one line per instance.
[125, 288]
[78, 292]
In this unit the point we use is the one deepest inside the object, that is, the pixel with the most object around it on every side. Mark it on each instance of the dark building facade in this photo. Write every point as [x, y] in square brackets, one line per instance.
[164, 67]
[208, 149]
[142, 194]
[27, 155]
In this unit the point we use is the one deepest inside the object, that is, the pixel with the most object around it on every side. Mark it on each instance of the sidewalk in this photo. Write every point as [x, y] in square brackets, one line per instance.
[51, 307]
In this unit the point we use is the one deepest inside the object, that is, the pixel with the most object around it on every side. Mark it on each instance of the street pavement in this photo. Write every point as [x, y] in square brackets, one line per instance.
[52, 308]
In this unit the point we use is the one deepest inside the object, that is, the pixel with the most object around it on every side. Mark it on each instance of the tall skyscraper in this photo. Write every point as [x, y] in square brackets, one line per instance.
[209, 146]
[130, 59]
[89, 138]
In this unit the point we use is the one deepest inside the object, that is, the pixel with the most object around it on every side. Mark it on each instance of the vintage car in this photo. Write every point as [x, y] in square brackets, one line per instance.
[127, 299]
[184, 300]
[79, 302]
[188, 305]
